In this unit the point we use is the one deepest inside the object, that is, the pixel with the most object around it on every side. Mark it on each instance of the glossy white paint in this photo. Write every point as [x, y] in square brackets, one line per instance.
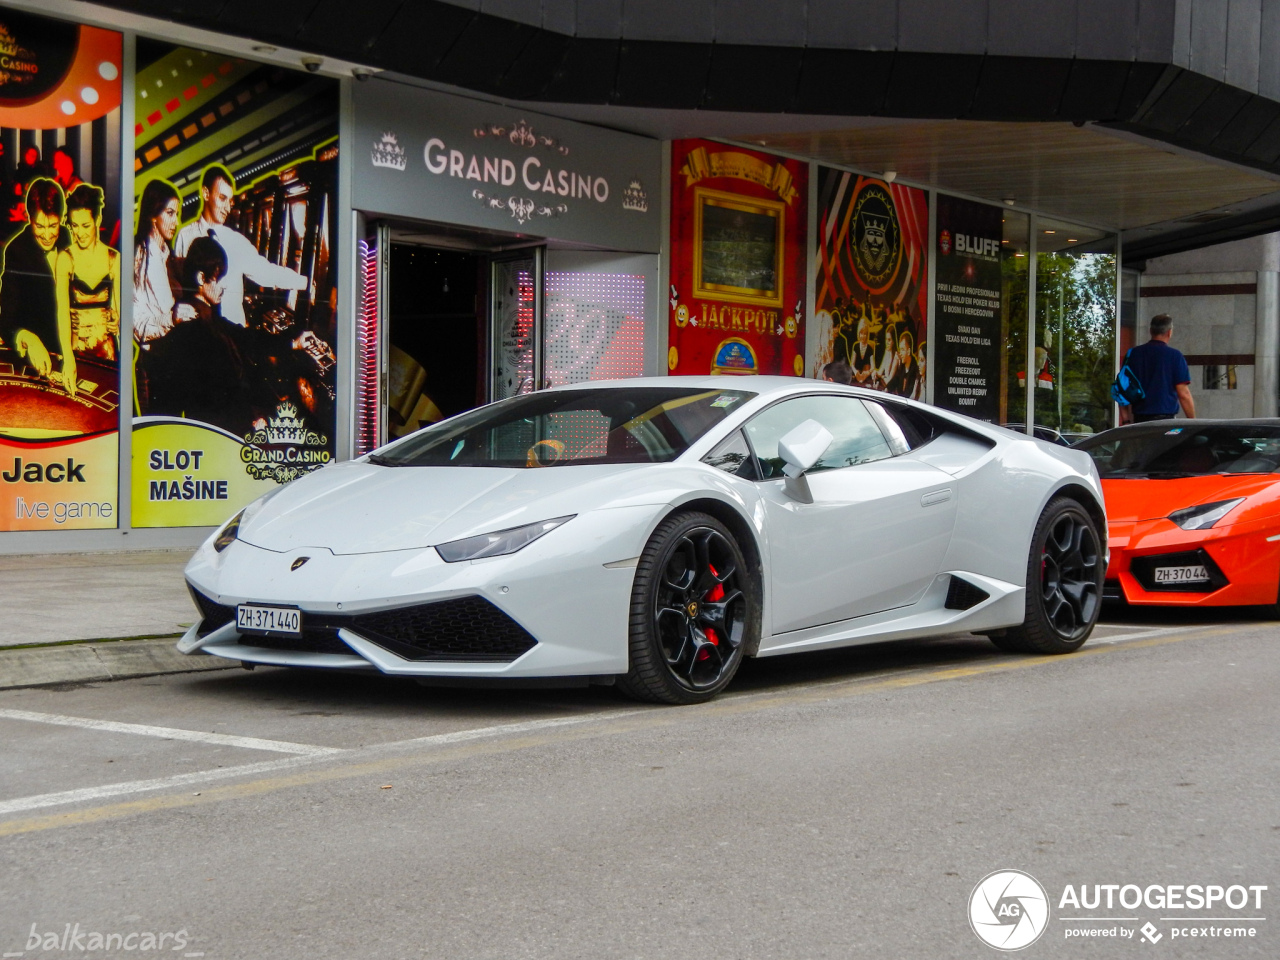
[866, 543]
[868, 560]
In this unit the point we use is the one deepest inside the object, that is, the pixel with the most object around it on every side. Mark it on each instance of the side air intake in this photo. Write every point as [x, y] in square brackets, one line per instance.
[961, 595]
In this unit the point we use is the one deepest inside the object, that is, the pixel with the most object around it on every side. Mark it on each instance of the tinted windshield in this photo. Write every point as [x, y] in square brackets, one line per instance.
[565, 427]
[1168, 451]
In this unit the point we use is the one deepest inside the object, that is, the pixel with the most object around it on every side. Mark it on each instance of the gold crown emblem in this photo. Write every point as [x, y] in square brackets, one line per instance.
[285, 427]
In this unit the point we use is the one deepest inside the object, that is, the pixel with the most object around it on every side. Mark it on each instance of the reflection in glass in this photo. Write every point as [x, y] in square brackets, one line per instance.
[1075, 324]
[1013, 363]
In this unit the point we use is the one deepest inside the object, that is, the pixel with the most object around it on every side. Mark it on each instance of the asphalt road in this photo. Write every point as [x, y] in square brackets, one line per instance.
[831, 805]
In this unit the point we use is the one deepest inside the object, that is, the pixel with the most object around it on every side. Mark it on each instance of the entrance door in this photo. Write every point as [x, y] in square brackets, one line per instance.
[434, 335]
[516, 306]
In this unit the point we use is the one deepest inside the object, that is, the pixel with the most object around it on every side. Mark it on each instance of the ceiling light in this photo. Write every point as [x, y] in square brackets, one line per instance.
[1051, 231]
[1071, 239]
[890, 175]
[1010, 201]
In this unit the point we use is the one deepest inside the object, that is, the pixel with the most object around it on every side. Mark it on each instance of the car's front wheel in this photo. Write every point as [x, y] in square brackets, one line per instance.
[1064, 583]
[692, 603]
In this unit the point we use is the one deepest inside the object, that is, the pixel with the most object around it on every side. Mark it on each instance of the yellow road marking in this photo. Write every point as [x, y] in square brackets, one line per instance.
[657, 717]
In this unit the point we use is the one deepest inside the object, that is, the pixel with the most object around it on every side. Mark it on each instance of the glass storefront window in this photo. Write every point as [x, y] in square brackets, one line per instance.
[1015, 265]
[1075, 328]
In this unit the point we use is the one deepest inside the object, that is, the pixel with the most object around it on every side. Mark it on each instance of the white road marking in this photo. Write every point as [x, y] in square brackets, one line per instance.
[142, 786]
[315, 754]
[23, 804]
[479, 733]
[170, 733]
[1135, 635]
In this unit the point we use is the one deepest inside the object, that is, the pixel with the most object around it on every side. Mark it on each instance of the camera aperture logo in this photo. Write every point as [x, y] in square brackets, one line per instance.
[1009, 910]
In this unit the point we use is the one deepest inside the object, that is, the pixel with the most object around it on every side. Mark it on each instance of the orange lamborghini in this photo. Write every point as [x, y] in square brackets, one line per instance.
[1193, 511]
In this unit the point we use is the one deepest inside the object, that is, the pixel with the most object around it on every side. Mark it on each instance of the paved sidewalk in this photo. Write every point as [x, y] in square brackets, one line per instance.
[54, 598]
[54, 606]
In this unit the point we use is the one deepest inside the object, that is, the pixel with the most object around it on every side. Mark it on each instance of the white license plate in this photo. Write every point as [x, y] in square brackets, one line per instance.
[252, 618]
[1195, 573]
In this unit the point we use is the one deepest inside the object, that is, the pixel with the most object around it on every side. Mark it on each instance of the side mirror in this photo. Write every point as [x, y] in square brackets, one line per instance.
[803, 446]
[800, 449]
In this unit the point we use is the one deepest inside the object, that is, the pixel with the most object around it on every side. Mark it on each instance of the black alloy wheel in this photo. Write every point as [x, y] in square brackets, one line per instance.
[692, 604]
[1064, 583]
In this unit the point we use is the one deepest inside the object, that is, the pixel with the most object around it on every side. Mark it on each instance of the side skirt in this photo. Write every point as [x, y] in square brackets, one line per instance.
[927, 617]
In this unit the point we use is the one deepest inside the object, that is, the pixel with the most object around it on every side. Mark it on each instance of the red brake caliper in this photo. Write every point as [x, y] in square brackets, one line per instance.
[716, 595]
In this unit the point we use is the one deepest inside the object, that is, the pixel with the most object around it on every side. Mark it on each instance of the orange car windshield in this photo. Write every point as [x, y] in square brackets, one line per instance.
[1171, 449]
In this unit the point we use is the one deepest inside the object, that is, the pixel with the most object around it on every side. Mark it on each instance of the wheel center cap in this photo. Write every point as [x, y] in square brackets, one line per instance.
[692, 608]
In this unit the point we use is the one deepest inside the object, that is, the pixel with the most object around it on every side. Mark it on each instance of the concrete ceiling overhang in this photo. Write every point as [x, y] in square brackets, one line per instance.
[1141, 189]
[1191, 74]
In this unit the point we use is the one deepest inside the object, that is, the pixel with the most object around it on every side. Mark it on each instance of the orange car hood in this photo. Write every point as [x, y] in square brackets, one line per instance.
[1132, 500]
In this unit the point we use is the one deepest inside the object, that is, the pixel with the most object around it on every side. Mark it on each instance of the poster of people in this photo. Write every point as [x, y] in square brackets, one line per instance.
[967, 308]
[235, 216]
[60, 92]
[870, 309]
[738, 224]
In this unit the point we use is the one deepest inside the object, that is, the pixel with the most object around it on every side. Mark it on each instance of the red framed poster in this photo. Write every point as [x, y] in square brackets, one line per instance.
[738, 222]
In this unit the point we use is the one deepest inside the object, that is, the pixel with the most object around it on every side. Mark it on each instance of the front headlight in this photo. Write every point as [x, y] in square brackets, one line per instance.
[227, 535]
[499, 543]
[1205, 515]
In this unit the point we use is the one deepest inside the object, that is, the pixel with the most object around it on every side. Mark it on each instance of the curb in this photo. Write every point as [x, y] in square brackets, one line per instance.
[98, 661]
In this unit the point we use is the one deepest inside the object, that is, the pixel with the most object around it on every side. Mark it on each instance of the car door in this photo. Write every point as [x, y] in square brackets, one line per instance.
[877, 530]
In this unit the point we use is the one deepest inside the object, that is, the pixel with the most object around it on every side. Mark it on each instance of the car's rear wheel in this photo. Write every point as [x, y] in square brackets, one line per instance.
[1064, 583]
[692, 603]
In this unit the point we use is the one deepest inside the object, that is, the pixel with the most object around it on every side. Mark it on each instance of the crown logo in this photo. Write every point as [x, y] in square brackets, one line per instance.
[634, 197]
[388, 153]
[285, 427]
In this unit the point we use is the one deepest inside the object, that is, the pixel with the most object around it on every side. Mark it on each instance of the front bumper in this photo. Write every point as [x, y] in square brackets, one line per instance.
[553, 609]
[1242, 561]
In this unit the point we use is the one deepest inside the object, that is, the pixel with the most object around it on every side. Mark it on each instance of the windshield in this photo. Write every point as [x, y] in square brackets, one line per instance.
[1165, 451]
[566, 427]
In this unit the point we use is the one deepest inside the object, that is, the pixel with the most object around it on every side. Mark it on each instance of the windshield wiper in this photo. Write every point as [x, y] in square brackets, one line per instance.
[384, 461]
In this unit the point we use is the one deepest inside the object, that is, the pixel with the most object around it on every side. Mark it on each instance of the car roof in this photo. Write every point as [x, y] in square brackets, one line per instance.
[762, 385]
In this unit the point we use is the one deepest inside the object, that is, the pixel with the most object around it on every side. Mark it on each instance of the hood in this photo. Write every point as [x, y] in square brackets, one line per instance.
[357, 507]
[1131, 500]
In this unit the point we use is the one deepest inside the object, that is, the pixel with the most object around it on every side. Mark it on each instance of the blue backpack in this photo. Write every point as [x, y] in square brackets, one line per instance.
[1127, 389]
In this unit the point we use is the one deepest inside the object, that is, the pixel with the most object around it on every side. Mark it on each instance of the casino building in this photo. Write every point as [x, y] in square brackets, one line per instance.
[246, 240]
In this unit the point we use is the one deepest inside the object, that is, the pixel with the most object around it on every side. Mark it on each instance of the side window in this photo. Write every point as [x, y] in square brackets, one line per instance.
[857, 437]
[890, 427]
[732, 455]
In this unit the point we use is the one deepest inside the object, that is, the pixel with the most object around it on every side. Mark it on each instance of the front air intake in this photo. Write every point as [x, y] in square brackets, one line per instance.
[464, 629]
[961, 594]
[212, 615]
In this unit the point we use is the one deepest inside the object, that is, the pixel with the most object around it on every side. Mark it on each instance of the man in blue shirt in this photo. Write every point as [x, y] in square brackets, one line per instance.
[1162, 371]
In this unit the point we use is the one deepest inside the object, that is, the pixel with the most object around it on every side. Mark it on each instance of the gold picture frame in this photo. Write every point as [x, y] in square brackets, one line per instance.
[719, 285]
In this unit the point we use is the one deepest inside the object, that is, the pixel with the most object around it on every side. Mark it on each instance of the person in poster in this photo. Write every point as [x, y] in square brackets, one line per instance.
[29, 294]
[738, 223]
[870, 305]
[87, 277]
[156, 285]
[217, 189]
